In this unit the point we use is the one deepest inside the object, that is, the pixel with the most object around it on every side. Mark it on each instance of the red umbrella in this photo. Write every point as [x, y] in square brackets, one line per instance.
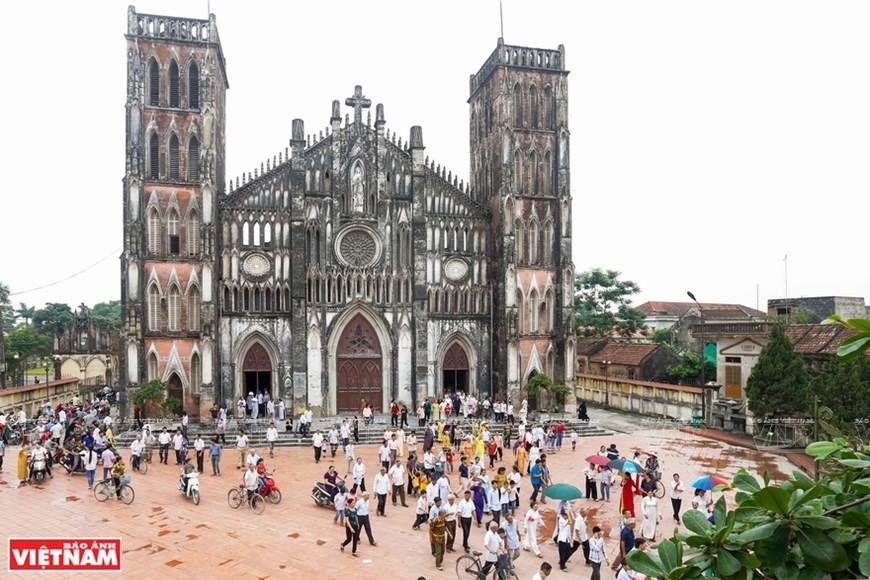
[598, 459]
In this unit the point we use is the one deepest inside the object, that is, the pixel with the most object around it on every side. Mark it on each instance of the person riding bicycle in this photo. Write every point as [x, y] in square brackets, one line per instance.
[186, 470]
[251, 480]
[652, 467]
[118, 470]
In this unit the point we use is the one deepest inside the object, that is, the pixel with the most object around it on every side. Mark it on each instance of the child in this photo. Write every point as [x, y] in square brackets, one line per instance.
[449, 459]
[513, 494]
[415, 482]
[573, 440]
[288, 426]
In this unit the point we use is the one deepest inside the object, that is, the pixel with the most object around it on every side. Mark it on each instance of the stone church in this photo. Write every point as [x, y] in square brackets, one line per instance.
[348, 267]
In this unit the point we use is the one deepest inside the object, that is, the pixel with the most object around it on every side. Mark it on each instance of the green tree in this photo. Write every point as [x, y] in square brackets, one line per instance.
[662, 336]
[779, 383]
[539, 382]
[53, 319]
[107, 314]
[688, 370]
[7, 313]
[842, 386]
[602, 304]
[800, 529]
[26, 312]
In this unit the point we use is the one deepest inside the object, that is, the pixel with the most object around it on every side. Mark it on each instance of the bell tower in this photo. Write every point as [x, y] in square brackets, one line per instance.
[520, 168]
[174, 174]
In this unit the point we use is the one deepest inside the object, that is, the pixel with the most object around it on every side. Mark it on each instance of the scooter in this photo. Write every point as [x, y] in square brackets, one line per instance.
[67, 459]
[192, 491]
[38, 470]
[321, 496]
[270, 491]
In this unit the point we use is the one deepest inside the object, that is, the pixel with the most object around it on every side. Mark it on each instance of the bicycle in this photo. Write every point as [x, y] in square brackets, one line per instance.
[469, 566]
[656, 476]
[239, 494]
[106, 489]
[142, 465]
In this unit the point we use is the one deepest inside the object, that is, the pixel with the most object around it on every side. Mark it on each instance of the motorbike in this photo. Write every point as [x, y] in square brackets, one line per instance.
[270, 490]
[38, 470]
[321, 496]
[192, 486]
[67, 459]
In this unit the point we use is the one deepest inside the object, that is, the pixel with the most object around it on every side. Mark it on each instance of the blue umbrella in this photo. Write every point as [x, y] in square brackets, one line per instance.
[625, 466]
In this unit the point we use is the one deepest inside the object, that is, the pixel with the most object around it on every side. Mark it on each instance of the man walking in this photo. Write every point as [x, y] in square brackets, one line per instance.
[271, 437]
[465, 510]
[535, 475]
[317, 443]
[382, 488]
[397, 476]
[177, 444]
[438, 537]
[451, 511]
[241, 448]
[362, 512]
[563, 539]
[163, 440]
[511, 535]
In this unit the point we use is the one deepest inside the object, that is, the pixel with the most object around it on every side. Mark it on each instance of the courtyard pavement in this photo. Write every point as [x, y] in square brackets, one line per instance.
[165, 536]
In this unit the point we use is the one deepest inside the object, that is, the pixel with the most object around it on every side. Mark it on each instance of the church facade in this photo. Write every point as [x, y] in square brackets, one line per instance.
[348, 267]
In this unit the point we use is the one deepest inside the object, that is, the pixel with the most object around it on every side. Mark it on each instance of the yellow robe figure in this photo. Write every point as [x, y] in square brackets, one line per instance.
[522, 458]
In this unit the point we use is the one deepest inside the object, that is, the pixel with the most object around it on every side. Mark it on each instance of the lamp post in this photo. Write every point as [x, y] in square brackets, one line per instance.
[607, 383]
[703, 359]
[47, 366]
[17, 368]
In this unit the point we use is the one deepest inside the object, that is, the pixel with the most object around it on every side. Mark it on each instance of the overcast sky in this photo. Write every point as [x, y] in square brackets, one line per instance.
[708, 139]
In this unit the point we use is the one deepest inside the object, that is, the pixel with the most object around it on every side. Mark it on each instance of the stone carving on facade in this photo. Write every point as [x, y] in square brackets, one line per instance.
[358, 247]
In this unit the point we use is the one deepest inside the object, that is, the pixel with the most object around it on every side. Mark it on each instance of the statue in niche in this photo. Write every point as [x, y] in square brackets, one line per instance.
[357, 188]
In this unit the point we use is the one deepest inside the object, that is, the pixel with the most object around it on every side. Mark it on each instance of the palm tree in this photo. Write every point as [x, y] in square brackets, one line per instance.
[26, 312]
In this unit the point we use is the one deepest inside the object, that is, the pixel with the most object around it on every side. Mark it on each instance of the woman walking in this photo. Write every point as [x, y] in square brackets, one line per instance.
[351, 527]
[651, 516]
[629, 490]
[531, 523]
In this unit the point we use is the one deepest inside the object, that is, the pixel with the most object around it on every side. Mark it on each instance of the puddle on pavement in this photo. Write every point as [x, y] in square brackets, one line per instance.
[192, 536]
[156, 509]
[72, 498]
[225, 562]
[206, 526]
[174, 563]
[319, 542]
[293, 535]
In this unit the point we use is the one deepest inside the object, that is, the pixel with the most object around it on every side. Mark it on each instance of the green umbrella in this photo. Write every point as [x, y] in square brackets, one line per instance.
[563, 491]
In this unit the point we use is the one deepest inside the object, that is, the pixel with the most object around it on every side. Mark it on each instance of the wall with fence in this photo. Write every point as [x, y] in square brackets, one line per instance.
[643, 397]
[33, 397]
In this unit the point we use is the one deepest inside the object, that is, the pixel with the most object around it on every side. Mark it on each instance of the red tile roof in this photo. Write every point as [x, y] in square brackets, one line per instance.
[820, 339]
[588, 345]
[623, 353]
[710, 311]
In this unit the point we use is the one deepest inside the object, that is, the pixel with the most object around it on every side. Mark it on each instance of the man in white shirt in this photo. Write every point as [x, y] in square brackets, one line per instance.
[136, 447]
[546, 568]
[163, 440]
[491, 549]
[397, 477]
[451, 509]
[177, 444]
[384, 455]
[382, 488]
[251, 480]
[563, 538]
[317, 443]
[332, 437]
[362, 512]
[271, 437]
[443, 487]
[465, 509]
[359, 476]
[241, 448]
[581, 537]
[350, 456]
[199, 452]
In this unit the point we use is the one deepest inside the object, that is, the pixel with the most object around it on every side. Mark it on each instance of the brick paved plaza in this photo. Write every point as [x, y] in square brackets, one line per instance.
[165, 536]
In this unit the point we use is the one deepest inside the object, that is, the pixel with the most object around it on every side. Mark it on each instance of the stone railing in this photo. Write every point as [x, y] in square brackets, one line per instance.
[646, 398]
[32, 397]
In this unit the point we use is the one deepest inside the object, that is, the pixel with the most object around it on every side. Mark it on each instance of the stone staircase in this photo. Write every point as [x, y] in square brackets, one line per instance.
[368, 434]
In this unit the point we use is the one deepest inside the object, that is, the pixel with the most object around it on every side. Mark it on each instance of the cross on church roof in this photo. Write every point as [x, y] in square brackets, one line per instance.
[358, 102]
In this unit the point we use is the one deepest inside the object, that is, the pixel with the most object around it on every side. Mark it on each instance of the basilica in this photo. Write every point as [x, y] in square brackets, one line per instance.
[348, 267]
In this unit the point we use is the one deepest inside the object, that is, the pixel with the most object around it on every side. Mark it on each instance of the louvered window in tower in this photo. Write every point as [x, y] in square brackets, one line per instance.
[195, 372]
[153, 83]
[193, 306]
[153, 231]
[193, 87]
[193, 233]
[193, 159]
[533, 242]
[174, 309]
[153, 308]
[174, 100]
[172, 231]
[533, 107]
[518, 106]
[153, 157]
[173, 157]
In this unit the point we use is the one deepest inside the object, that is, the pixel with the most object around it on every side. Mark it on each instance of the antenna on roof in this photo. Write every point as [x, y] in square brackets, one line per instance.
[501, 18]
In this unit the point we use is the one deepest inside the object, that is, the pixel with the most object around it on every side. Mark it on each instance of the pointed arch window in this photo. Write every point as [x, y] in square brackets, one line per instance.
[521, 313]
[172, 232]
[533, 312]
[153, 308]
[193, 86]
[153, 231]
[518, 106]
[518, 240]
[194, 304]
[549, 303]
[518, 171]
[534, 188]
[173, 307]
[193, 233]
[549, 118]
[533, 107]
[153, 157]
[195, 372]
[193, 159]
[153, 83]
[267, 235]
[256, 239]
[547, 178]
[246, 234]
[174, 100]
[173, 156]
[533, 242]
[548, 242]
[152, 367]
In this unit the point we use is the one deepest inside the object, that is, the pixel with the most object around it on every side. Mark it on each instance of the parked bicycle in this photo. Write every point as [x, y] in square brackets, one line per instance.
[239, 494]
[144, 459]
[106, 489]
[470, 566]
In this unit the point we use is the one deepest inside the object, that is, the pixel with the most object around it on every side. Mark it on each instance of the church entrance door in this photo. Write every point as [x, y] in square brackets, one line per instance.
[359, 366]
[257, 371]
[455, 370]
[176, 391]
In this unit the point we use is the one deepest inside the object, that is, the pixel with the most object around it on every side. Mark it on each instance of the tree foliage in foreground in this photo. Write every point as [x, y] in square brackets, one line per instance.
[794, 531]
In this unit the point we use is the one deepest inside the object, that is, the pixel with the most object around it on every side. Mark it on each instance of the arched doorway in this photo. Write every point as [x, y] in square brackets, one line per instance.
[257, 371]
[533, 399]
[175, 391]
[359, 366]
[454, 370]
